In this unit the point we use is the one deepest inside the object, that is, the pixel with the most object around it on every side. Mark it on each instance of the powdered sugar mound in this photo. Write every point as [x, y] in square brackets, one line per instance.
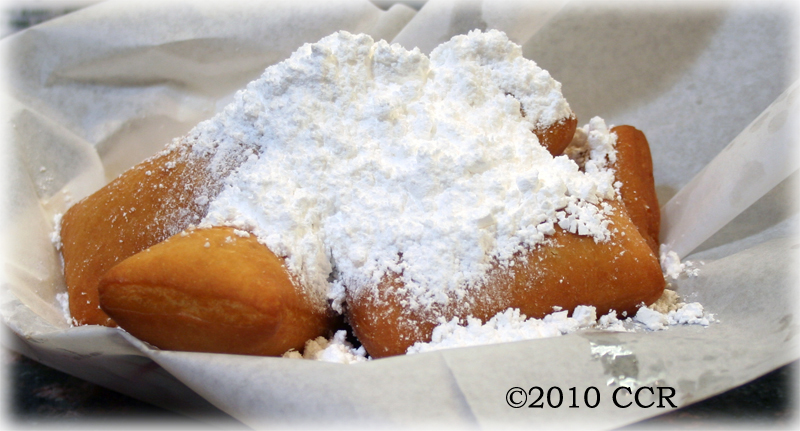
[651, 319]
[673, 267]
[337, 349]
[610, 322]
[440, 150]
[690, 314]
[686, 314]
[506, 326]
[511, 325]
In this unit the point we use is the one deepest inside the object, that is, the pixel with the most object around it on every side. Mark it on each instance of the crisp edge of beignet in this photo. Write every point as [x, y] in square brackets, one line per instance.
[213, 290]
[564, 271]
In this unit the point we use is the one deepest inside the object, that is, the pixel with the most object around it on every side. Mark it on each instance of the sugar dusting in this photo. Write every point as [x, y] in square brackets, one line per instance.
[439, 150]
[336, 349]
[511, 325]
[673, 267]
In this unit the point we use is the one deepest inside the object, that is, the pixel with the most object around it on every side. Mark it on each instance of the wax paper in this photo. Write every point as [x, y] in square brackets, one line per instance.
[92, 93]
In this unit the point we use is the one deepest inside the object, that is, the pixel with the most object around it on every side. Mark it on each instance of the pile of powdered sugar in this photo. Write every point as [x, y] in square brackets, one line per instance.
[511, 325]
[364, 159]
[672, 266]
[336, 349]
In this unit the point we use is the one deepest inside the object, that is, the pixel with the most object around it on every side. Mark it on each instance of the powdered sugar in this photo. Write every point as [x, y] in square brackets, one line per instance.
[62, 299]
[513, 326]
[55, 235]
[440, 151]
[507, 326]
[687, 314]
[673, 267]
[337, 349]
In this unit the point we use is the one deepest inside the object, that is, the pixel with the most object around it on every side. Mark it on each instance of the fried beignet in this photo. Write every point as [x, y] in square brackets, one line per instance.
[558, 136]
[634, 169]
[212, 290]
[566, 271]
[359, 164]
[147, 204]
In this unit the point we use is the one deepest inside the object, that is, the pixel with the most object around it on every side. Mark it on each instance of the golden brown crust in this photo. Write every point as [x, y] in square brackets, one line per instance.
[558, 136]
[382, 322]
[568, 270]
[142, 207]
[211, 290]
[634, 169]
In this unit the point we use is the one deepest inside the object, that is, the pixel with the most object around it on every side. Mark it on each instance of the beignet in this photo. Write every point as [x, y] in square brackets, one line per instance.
[391, 187]
[212, 290]
[145, 205]
[565, 271]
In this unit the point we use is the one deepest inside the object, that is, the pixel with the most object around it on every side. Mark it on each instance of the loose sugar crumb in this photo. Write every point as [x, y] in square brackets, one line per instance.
[651, 319]
[337, 349]
[673, 267]
[55, 235]
[511, 325]
[241, 233]
[63, 301]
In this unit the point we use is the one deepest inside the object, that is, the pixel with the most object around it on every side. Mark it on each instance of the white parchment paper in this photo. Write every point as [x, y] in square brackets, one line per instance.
[92, 93]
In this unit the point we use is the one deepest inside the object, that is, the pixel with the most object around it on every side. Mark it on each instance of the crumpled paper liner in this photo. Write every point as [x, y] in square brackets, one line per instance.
[92, 93]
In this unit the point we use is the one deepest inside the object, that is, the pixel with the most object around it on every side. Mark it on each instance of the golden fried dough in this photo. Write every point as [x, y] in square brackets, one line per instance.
[211, 290]
[236, 297]
[634, 169]
[557, 136]
[142, 207]
[567, 270]
[383, 323]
